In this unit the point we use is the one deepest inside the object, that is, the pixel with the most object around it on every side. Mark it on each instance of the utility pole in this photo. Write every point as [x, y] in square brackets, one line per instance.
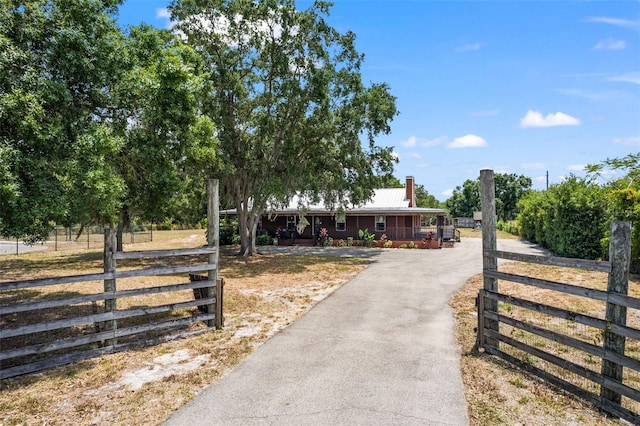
[547, 179]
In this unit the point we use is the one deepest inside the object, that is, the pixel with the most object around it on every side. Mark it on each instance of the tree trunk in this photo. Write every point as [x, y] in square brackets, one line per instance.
[245, 235]
[248, 224]
[122, 223]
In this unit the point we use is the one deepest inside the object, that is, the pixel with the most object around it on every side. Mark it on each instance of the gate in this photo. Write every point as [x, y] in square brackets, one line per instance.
[596, 357]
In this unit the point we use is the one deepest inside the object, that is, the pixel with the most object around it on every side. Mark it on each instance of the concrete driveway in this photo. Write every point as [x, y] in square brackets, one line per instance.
[378, 351]
[11, 247]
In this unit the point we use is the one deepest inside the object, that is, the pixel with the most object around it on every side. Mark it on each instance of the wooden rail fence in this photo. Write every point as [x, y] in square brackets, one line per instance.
[613, 384]
[59, 327]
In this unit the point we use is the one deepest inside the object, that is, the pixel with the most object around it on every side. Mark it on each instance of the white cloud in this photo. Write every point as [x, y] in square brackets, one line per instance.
[631, 77]
[627, 141]
[535, 119]
[610, 44]
[447, 192]
[576, 167]
[468, 141]
[163, 13]
[410, 143]
[414, 141]
[615, 21]
[469, 47]
[530, 166]
[415, 155]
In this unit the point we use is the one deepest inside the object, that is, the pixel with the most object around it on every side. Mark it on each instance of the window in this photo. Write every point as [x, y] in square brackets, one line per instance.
[341, 222]
[381, 224]
[291, 223]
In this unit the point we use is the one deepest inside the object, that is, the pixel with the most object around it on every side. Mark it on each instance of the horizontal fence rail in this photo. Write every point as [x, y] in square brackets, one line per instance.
[92, 343]
[585, 343]
[54, 321]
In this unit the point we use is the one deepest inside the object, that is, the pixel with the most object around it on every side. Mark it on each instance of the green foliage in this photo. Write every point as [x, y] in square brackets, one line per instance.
[464, 200]
[426, 200]
[389, 181]
[58, 59]
[622, 197]
[228, 232]
[403, 246]
[568, 218]
[512, 227]
[264, 240]
[509, 188]
[387, 244]
[158, 98]
[367, 237]
[289, 105]
[412, 245]
[95, 124]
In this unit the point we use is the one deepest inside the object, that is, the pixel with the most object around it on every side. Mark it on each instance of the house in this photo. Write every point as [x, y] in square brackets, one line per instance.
[391, 211]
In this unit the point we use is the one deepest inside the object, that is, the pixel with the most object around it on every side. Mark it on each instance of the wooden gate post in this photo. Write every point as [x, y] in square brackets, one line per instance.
[619, 256]
[110, 284]
[489, 262]
[213, 240]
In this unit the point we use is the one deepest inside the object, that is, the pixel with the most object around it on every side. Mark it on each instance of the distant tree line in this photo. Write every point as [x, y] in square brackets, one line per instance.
[510, 188]
[571, 218]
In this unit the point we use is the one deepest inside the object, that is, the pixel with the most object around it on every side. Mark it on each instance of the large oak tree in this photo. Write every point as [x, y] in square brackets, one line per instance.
[289, 105]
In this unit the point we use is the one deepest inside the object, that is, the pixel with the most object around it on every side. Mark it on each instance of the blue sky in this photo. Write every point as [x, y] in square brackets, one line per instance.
[519, 87]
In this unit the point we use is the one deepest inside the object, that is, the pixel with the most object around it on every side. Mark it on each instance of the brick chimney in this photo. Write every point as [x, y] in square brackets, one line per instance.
[410, 191]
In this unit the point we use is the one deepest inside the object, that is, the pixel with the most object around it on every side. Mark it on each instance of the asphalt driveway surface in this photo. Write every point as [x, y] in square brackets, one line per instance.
[379, 351]
[11, 247]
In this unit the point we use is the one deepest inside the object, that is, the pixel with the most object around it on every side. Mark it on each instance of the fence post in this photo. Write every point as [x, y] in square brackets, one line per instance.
[480, 341]
[489, 263]
[619, 256]
[110, 285]
[213, 229]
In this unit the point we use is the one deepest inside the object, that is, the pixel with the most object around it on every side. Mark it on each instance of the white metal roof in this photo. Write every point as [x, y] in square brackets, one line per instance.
[384, 201]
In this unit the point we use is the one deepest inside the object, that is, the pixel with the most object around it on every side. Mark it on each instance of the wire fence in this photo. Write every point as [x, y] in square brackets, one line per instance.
[77, 237]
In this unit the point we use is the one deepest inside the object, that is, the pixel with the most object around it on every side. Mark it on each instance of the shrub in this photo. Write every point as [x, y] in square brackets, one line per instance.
[403, 246]
[412, 245]
[366, 237]
[387, 244]
[342, 243]
[264, 240]
[228, 229]
[512, 227]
